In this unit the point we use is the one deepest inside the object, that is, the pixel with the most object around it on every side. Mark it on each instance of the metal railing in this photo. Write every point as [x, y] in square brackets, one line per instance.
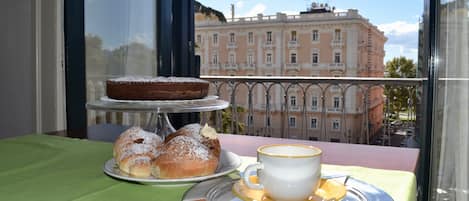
[360, 98]
[266, 105]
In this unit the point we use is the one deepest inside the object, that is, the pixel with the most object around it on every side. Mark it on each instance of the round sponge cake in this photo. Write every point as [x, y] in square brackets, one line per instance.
[156, 88]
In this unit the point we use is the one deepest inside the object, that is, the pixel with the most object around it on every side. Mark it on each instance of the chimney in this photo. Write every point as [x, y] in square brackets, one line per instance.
[232, 12]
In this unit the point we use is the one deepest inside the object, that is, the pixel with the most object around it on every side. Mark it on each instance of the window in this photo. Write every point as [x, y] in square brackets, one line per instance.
[215, 39]
[250, 38]
[337, 58]
[336, 103]
[315, 58]
[232, 59]
[293, 58]
[199, 38]
[315, 35]
[314, 123]
[269, 37]
[292, 122]
[293, 101]
[232, 37]
[268, 59]
[215, 58]
[250, 58]
[314, 103]
[335, 124]
[293, 36]
[337, 35]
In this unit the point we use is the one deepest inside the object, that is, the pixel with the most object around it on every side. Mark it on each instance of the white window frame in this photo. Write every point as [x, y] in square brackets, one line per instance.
[317, 57]
[337, 35]
[292, 121]
[335, 122]
[336, 99]
[250, 38]
[334, 54]
[215, 38]
[232, 37]
[313, 37]
[314, 99]
[215, 59]
[232, 58]
[293, 35]
[293, 100]
[269, 37]
[293, 58]
[311, 123]
[250, 58]
[268, 58]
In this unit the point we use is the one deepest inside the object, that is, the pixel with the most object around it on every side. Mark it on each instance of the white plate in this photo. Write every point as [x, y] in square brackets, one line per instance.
[229, 162]
[206, 98]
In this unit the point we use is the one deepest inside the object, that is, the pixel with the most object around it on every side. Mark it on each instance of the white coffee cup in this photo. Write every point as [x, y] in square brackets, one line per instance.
[286, 172]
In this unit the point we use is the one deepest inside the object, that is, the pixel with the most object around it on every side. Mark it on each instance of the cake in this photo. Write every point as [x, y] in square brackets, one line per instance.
[191, 151]
[156, 88]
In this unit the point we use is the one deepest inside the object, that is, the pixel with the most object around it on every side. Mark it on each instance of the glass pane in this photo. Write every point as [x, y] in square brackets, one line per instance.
[284, 39]
[450, 164]
[120, 41]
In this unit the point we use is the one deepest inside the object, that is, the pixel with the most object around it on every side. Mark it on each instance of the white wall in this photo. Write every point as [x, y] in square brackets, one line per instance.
[30, 95]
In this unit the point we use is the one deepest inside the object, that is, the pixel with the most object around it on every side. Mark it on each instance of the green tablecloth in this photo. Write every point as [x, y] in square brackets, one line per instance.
[49, 168]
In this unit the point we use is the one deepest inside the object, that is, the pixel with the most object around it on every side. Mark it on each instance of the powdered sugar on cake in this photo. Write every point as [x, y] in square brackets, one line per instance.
[159, 79]
[187, 147]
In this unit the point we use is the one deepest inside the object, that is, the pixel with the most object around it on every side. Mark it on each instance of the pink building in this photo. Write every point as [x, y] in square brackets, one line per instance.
[317, 43]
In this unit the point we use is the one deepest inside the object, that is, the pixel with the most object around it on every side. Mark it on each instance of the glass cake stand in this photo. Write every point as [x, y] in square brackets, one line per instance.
[159, 109]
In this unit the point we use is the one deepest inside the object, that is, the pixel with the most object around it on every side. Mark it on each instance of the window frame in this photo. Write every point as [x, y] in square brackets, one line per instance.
[250, 38]
[292, 124]
[315, 37]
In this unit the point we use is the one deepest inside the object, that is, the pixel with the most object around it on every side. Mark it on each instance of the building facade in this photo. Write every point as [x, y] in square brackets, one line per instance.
[317, 43]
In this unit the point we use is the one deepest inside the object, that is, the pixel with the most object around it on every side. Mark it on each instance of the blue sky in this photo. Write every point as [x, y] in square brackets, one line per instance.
[122, 21]
[397, 18]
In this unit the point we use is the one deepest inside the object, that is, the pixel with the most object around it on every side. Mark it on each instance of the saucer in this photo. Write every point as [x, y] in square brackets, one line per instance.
[328, 189]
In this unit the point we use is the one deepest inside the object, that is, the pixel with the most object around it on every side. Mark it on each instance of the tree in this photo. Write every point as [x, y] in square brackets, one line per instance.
[400, 67]
[227, 117]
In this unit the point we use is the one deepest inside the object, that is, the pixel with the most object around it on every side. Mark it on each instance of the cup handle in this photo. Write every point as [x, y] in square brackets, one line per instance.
[247, 173]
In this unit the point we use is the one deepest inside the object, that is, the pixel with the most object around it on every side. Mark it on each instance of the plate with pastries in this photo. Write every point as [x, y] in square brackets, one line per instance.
[189, 155]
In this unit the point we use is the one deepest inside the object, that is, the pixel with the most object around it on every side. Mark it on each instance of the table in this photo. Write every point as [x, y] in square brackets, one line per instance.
[372, 156]
[43, 167]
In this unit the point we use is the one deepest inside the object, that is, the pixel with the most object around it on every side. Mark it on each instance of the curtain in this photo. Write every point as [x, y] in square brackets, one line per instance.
[450, 152]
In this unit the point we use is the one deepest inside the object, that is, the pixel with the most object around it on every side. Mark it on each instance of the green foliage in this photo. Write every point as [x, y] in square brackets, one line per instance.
[226, 117]
[200, 8]
[132, 58]
[400, 67]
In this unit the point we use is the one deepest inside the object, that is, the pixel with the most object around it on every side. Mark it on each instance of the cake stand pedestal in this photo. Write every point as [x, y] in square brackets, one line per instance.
[159, 122]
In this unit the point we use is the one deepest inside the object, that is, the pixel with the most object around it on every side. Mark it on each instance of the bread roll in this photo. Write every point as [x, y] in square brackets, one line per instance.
[182, 157]
[206, 135]
[134, 150]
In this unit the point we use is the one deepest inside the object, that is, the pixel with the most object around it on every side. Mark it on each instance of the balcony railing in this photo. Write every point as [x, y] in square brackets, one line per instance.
[231, 66]
[269, 44]
[231, 45]
[361, 114]
[293, 44]
[292, 66]
[337, 44]
[214, 66]
[337, 67]
[361, 121]
[249, 66]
